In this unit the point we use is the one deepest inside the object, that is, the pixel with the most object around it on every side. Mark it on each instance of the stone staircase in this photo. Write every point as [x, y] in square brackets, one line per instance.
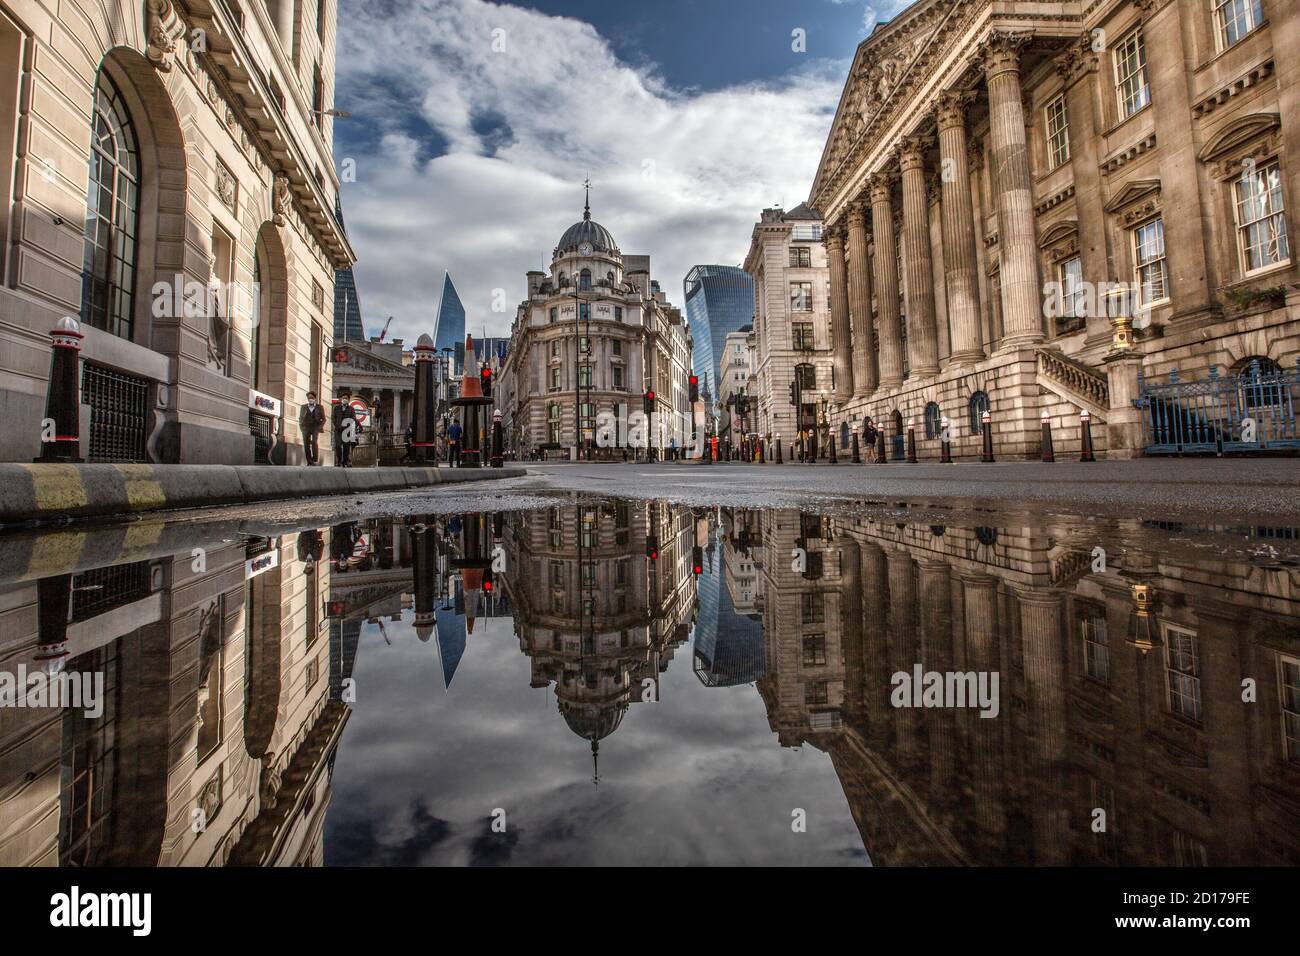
[1074, 382]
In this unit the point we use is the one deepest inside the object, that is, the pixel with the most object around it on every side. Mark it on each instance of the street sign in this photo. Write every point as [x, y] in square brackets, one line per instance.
[363, 412]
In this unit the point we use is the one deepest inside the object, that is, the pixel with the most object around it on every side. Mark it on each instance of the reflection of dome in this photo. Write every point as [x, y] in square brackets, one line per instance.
[593, 723]
[587, 230]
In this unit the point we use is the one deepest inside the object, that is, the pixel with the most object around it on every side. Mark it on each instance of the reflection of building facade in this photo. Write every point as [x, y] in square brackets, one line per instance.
[202, 268]
[976, 207]
[591, 338]
[218, 729]
[1120, 691]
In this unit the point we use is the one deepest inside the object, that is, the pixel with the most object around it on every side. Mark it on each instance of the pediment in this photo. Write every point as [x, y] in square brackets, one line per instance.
[1237, 134]
[1132, 192]
[1059, 232]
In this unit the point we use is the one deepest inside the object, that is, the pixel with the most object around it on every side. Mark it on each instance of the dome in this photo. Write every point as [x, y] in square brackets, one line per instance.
[587, 230]
[592, 723]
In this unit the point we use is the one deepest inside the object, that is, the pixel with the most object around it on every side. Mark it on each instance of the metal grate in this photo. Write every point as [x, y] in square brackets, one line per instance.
[260, 426]
[102, 589]
[119, 412]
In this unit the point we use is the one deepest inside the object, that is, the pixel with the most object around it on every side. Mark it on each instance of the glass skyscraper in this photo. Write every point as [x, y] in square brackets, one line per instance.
[347, 307]
[719, 300]
[449, 328]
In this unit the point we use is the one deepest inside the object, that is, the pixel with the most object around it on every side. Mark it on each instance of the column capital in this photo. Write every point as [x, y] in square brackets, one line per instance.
[999, 52]
[880, 186]
[911, 152]
[857, 214]
[950, 108]
[833, 236]
[1080, 58]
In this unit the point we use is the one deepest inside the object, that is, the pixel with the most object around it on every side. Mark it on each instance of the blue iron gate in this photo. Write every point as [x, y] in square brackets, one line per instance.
[1251, 410]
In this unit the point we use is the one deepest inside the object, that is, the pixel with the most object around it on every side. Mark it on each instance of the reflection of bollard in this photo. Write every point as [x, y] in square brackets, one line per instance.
[986, 428]
[62, 402]
[857, 457]
[945, 442]
[779, 460]
[880, 447]
[1085, 436]
[834, 461]
[911, 442]
[1048, 452]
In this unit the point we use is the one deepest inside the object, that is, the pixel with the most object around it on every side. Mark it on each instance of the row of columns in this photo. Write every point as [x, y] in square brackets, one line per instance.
[863, 366]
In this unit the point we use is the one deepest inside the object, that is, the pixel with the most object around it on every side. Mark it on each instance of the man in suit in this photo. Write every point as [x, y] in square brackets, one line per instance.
[345, 430]
[312, 421]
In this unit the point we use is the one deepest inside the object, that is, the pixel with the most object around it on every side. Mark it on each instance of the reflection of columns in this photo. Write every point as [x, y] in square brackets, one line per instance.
[885, 273]
[902, 652]
[936, 655]
[1021, 298]
[1227, 737]
[842, 356]
[864, 346]
[980, 602]
[922, 336]
[875, 608]
[1044, 660]
[851, 625]
[958, 230]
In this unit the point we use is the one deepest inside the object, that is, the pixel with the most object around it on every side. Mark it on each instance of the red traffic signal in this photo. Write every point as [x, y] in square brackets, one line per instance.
[695, 388]
[341, 356]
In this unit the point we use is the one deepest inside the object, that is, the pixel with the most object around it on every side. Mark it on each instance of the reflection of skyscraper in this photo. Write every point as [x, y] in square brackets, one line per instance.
[719, 300]
[449, 325]
[728, 645]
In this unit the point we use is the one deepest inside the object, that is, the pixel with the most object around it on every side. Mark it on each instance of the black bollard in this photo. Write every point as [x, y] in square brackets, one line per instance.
[911, 443]
[833, 459]
[779, 460]
[1085, 436]
[61, 430]
[857, 457]
[1049, 453]
[987, 431]
[945, 442]
[498, 441]
[881, 458]
[762, 452]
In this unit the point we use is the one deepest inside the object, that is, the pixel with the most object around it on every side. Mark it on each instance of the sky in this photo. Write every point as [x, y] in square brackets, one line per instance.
[474, 125]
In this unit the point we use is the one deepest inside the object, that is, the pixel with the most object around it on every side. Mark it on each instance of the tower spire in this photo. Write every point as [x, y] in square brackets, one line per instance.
[586, 207]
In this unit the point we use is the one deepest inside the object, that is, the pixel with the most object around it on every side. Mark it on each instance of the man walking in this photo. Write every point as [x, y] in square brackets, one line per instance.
[346, 428]
[453, 444]
[312, 420]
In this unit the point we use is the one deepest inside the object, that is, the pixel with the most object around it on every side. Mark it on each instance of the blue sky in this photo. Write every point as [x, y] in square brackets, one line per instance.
[474, 124]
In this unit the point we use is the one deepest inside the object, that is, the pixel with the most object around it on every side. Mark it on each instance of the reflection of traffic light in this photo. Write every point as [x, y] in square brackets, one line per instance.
[652, 546]
[485, 379]
[695, 388]
[697, 560]
[649, 402]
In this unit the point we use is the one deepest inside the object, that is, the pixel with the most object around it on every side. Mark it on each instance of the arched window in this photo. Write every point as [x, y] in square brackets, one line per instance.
[1257, 378]
[564, 281]
[979, 404]
[584, 279]
[986, 535]
[261, 315]
[609, 279]
[933, 420]
[112, 206]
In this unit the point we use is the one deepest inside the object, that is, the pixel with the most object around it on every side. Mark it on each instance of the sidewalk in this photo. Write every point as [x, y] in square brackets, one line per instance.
[45, 492]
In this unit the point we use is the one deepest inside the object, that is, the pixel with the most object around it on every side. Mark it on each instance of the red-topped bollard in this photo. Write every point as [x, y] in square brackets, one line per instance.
[986, 429]
[911, 442]
[881, 457]
[945, 441]
[424, 439]
[857, 454]
[1085, 436]
[779, 459]
[61, 429]
[1049, 453]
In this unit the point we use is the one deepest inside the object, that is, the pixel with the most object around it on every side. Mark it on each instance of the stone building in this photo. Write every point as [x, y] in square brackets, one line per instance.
[202, 266]
[1028, 206]
[792, 327]
[593, 336]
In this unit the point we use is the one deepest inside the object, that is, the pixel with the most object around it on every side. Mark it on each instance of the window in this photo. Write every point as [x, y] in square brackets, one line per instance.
[1289, 684]
[317, 349]
[555, 379]
[1071, 293]
[584, 345]
[223, 267]
[1236, 18]
[617, 346]
[800, 257]
[933, 420]
[584, 279]
[112, 206]
[618, 313]
[806, 232]
[317, 97]
[815, 693]
[618, 378]
[320, 19]
[801, 297]
[1261, 220]
[584, 376]
[814, 650]
[1149, 263]
[261, 315]
[553, 424]
[806, 376]
[1096, 643]
[812, 607]
[556, 349]
[802, 335]
[979, 404]
[584, 312]
[1131, 84]
[1058, 133]
[1259, 386]
[1183, 670]
[588, 410]
[555, 313]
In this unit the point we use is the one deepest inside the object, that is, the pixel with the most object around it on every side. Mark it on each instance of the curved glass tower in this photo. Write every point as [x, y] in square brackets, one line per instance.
[719, 300]
[449, 327]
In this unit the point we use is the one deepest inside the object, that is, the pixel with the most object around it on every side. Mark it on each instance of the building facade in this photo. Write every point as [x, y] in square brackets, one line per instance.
[719, 300]
[791, 322]
[1047, 208]
[592, 338]
[201, 266]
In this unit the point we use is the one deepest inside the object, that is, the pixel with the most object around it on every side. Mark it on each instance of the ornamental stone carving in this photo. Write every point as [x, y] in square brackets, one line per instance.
[164, 28]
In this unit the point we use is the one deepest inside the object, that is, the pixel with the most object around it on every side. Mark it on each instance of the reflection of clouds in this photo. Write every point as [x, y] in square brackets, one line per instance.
[696, 779]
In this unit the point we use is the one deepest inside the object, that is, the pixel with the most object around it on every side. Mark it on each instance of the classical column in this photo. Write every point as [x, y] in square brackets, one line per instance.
[842, 356]
[885, 273]
[922, 336]
[936, 655]
[875, 642]
[980, 602]
[1022, 305]
[1078, 70]
[959, 234]
[903, 656]
[1044, 654]
[864, 346]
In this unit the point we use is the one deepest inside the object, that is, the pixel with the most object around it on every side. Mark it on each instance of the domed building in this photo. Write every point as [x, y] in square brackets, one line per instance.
[595, 334]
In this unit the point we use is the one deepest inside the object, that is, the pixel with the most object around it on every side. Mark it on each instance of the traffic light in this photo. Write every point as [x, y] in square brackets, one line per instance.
[648, 402]
[697, 560]
[695, 389]
[793, 394]
[485, 379]
[652, 546]
[341, 356]
[487, 580]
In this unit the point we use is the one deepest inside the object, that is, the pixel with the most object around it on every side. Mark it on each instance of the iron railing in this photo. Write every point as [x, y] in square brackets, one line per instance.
[1252, 410]
[119, 414]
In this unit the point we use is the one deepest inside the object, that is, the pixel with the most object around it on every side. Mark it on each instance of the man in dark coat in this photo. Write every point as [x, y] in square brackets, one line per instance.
[312, 421]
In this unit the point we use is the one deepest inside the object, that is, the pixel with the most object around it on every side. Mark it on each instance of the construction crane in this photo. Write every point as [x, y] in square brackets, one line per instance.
[384, 331]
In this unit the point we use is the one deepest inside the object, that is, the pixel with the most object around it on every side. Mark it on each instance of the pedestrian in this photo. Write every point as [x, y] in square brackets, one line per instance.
[453, 444]
[410, 443]
[869, 435]
[346, 428]
[311, 420]
[672, 449]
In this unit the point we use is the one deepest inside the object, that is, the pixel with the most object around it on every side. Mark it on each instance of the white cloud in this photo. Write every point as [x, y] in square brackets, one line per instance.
[680, 176]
